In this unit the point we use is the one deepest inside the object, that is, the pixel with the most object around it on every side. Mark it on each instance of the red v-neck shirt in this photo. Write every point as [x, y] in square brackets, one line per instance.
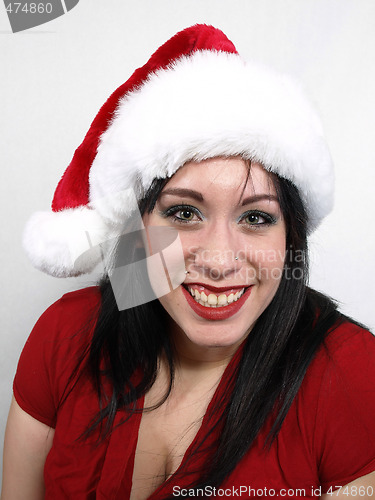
[327, 439]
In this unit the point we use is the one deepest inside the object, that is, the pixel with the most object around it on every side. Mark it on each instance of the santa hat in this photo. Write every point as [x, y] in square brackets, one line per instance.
[194, 99]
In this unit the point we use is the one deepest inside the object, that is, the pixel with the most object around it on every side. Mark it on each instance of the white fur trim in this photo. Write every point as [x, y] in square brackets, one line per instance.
[65, 243]
[206, 105]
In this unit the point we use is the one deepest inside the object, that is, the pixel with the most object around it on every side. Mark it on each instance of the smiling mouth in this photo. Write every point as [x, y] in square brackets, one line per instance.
[215, 303]
[212, 303]
[214, 297]
[208, 298]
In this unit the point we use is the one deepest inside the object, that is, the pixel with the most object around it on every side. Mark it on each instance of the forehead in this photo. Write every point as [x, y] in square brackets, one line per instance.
[224, 176]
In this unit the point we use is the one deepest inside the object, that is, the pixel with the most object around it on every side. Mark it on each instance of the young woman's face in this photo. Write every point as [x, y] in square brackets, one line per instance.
[233, 238]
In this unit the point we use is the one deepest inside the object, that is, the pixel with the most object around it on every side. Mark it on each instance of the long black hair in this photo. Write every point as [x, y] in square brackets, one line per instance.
[274, 359]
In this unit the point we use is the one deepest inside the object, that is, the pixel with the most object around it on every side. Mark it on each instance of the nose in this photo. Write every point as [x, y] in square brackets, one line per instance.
[216, 256]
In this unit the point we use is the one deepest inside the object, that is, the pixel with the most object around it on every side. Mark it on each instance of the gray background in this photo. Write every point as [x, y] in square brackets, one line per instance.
[55, 77]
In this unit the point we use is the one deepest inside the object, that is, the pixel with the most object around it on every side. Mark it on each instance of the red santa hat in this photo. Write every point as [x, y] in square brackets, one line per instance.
[194, 99]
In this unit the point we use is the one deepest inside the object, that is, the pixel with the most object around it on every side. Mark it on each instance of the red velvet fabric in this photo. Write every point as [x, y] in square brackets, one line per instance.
[327, 439]
[73, 188]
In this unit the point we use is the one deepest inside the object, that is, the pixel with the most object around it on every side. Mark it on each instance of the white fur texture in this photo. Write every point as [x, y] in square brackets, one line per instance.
[65, 243]
[206, 105]
[211, 104]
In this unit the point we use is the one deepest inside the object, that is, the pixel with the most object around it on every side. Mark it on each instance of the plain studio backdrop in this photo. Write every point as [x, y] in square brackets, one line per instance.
[55, 77]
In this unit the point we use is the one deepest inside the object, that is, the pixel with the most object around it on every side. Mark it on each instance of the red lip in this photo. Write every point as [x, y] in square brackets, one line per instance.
[215, 288]
[216, 313]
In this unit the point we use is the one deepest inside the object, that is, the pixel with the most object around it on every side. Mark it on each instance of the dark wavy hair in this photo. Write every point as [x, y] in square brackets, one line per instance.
[273, 363]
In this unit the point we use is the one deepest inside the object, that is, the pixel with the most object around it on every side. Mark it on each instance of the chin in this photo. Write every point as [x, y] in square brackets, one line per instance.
[216, 338]
[187, 326]
[190, 326]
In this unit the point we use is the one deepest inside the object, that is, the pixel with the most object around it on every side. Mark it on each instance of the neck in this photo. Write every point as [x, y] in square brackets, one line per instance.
[196, 364]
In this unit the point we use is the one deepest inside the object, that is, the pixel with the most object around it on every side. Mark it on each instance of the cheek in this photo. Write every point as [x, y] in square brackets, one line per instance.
[172, 304]
[191, 242]
[274, 257]
[269, 260]
[270, 277]
[165, 259]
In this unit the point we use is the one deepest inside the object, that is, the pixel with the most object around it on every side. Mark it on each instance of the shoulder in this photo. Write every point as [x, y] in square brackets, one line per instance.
[337, 399]
[68, 314]
[56, 347]
[65, 328]
[79, 302]
[348, 356]
[347, 346]
[89, 294]
[347, 332]
[345, 359]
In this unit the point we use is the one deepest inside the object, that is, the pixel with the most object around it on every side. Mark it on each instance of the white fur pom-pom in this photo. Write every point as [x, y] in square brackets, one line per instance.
[65, 243]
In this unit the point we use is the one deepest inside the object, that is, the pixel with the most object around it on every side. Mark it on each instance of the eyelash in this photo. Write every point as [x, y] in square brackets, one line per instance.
[268, 218]
[172, 211]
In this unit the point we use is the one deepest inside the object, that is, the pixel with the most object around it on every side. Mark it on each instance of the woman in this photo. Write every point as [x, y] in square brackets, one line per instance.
[240, 380]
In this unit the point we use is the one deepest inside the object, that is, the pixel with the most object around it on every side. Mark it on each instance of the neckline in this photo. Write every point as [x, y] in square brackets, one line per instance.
[167, 486]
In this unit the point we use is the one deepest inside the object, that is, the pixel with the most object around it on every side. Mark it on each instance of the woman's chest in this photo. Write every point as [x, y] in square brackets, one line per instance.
[142, 452]
[164, 438]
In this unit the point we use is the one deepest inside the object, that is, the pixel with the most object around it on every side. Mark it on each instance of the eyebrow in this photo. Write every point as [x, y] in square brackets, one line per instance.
[191, 193]
[259, 197]
[183, 192]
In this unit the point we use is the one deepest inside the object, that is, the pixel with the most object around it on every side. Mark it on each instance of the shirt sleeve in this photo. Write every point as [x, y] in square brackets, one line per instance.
[31, 386]
[53, 352]
[345, 419]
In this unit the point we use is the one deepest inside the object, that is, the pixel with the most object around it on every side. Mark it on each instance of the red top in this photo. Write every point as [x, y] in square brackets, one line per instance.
[327, 438]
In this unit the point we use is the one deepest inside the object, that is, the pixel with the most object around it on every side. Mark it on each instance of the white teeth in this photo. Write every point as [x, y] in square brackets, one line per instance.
[213, 300]
[222, 300]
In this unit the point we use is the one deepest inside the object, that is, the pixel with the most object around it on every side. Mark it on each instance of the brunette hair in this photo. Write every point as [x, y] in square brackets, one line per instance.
[273, 363]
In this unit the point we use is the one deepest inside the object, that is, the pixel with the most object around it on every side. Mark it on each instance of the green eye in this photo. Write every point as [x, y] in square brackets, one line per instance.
[183, 214]
[253, 219]
[186, 214]
[257, 218]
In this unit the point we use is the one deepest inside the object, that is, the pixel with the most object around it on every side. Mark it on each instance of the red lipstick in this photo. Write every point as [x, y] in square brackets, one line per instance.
[215, 289]
[216, 313]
